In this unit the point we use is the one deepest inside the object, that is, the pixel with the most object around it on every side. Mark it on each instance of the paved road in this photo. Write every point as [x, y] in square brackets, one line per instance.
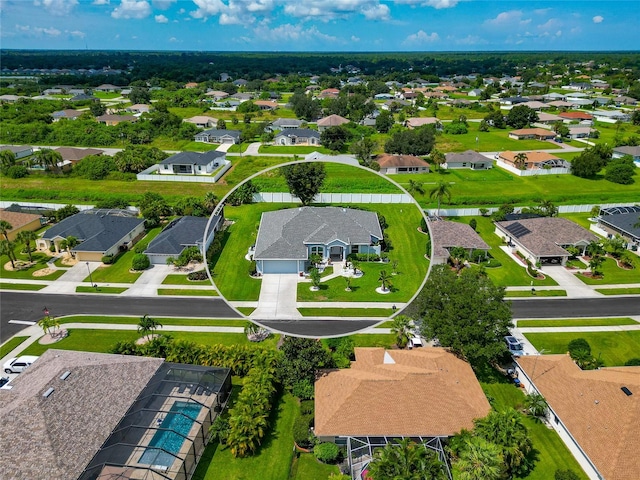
[576, 307]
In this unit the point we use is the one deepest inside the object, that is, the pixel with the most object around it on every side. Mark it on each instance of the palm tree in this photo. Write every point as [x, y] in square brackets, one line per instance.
[401, 328]
[47, 323]
[437, 158]
[7, 158]
[415, 187]
[384, 279]
[70, 243]
[47, 158]
[594, 265]
[7, 248]
[479, 460]
[147, 326]
[26, 237]
[5, 227]
[347, 280]
[442, 189]
[210, 201]
[536, 404]
[520, 160]
[594, 249]
[405, 460]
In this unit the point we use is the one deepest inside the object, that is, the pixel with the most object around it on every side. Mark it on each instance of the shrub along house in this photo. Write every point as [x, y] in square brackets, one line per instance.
[447, 235]
[287, 238]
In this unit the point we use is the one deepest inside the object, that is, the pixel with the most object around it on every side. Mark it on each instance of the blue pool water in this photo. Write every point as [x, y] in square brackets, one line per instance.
[176, 424]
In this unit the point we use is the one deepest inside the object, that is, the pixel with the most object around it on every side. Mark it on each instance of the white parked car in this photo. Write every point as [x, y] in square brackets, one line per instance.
[17, 365]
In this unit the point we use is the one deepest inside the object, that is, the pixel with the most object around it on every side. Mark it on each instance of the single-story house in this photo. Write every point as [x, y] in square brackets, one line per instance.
[139, 108]
[548, 118]
[192, 163]
[266, 104]
[7, 98]
[446, 235]
[535, 105]
[611, 116]
[21, 222]
[331, 121]
[241, 82]
[81, 97]
[297, 136]
[287, 238]
[624, 224]
[180, 234]
[218, 136]
[74, 155]
[285, 124]
[202, 121]
[69, 114]
[575, 116]
[619, 152]
[468, 159]
[383, 96]
[561, 104]
[20, 151]
[99, 233]
[107, 87]
[535, 133]
[594, 411]
[427, 394]
[476, 92]
[391, 163]
[415, 122]
[580, 131]
[191, 85]
[90, 416]
[112, 120]
[534, 161]
[329, 93]
[217, 94]
[544, 240]
[624, 100]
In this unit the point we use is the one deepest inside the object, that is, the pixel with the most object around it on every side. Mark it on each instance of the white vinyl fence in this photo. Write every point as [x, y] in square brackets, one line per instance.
[285, 197]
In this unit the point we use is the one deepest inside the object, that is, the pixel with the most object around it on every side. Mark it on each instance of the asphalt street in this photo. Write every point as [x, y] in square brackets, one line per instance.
[28, 306]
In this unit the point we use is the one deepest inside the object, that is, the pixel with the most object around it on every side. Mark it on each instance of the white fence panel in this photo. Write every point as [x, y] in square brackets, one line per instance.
[285, 197]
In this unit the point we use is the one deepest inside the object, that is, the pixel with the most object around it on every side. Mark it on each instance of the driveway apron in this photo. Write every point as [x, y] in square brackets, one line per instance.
[277, 297]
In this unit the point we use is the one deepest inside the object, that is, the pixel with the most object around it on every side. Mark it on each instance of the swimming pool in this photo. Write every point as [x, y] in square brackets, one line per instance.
[169, 439]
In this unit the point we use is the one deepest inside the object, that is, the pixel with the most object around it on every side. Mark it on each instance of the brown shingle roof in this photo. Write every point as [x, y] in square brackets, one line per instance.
[56, 437]
[332, 121]
[591, 404]
[414, 122]
[425, 392]
[392, 161]
[77, 154]
[539, 132]
[17, 219]
[532, 157]
[453, 234]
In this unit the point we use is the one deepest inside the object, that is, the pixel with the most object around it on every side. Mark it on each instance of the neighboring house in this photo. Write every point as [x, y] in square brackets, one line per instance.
[580, 131]
[297, 136]
[69, 114]
[218, 136]
[623, 100]
[112, 120]
[217, 94]
[468, 159]
[476, 92]
[191, 85]
[266, 104]
[532, 133]
[192, 163]
[383, 96]
[619, 152]
[560, 104]
[331, 121]
[11, 98]
[202, 121]
[575, 116]
[535, 105]
[592, 411]
[390, 163]
[544, 240]
[74, 155]
[21, 222]
[623, 221]
[287, 238]
[415, 122]
[447, 235]
[107, 87]
[20, 151]
[139, 108]
[534, 161]
[611, 116]
[285, 124]
[427, 394]
[81, 97]
[241, 82]
[180, 234]
[82, 415]
[329, 93]
[99, 233]
[243, 97]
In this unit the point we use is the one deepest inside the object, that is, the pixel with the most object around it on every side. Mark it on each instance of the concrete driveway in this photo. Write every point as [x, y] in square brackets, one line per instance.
[277, 298]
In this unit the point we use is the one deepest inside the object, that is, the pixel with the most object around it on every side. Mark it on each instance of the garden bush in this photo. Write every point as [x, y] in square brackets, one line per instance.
[140, 262]
[363, 257]
[198, 276]
[17, 171]
[108, 259]
[301, 432]
[326, 452]
[633, 362]
[303, 389]
[307, 407]
[579, 345]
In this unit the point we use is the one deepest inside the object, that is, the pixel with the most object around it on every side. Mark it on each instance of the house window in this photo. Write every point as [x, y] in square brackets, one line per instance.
[464, 164]
[199, 168]
[354, 249]
[317, 250]
[166, 167]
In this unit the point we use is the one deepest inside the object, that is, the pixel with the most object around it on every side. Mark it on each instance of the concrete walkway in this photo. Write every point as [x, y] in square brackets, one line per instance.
[148, 283]
[569, 282]
[73, 277]
[277, 298]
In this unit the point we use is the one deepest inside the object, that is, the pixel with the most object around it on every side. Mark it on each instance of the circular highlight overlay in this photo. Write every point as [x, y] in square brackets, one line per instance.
[345, 263]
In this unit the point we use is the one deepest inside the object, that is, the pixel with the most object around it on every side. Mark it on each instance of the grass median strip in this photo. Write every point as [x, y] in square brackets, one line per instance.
[111, 290]
[577, 322]
[190, 292]
[8, 346]
[537, 293]
[21, 286]
[619, 291]
[345, 312]
[199, 322]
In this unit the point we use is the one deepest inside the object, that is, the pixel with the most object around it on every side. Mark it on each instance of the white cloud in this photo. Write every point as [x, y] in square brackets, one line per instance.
[354, 38]
[510, 18]
[161, 19]
[437, 4]
[326, 10]
[421, 37]
[598, 19]
[289, 32]
[550, 24]
[163, 4]
[468, 40]
[76, 33]
[57, 7]
[173, 40]
[376, 12]
[100, 2]
[38, 31]
[132, 9]
[236, 12]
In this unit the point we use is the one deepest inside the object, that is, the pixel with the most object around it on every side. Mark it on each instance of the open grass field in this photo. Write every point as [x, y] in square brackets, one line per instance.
[21, 286]
[576, 322]
[581, 219]
[612, 274]
[10, 344]
[273, 460]
[510, 273]
[615, 348]
[189, 292]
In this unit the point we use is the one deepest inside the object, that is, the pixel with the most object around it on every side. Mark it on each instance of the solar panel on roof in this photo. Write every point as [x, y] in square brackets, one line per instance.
[517, 229]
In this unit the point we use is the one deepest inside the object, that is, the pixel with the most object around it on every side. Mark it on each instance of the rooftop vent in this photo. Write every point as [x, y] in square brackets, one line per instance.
[48, 393]
[626, 391]
[65, 375]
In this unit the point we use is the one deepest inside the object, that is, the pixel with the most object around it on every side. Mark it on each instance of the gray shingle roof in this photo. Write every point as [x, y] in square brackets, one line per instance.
[95, 231]
[214, 132]
[624, 222]
[192, 158]
[283, 234]
[57, 436]
[179, 234]
[299, 132]
[469, 156]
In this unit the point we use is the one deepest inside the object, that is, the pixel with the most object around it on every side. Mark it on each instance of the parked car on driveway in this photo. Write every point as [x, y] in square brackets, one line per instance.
[19, 364]
[515, 347]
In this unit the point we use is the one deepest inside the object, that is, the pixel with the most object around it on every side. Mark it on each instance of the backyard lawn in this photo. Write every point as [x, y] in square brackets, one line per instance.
[614, 348]
[495, 140]
[612, 274]
[307, 467]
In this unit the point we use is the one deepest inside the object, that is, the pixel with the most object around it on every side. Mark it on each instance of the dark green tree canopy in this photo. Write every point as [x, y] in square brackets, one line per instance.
[304, 180]
[521, 116]
[418, 141]
[334, 138]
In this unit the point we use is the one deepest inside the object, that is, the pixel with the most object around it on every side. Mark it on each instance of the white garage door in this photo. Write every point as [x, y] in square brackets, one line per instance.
[280, 266]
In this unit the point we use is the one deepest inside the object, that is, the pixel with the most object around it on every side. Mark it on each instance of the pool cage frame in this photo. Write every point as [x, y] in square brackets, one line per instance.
[360, 451]
[119, 456]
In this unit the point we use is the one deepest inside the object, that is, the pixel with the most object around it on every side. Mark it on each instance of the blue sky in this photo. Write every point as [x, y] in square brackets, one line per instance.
[320, 25]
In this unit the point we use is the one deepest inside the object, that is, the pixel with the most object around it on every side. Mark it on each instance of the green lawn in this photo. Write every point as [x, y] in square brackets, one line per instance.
[492, 141]
[178, 279]
[294, 150]
[273, 460]
[40, 260]
[619, 291]
[111, 290]
[58, 263]
[615, 348]
[346, 312]
[10, 344]
[200, 322]
[385, 340]
[510, 273]
[246, 310]
[187, 292]
[577, 322]
[20, 286]
[307, 467]
[537, 293]
[581, 219]
[612, 275]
